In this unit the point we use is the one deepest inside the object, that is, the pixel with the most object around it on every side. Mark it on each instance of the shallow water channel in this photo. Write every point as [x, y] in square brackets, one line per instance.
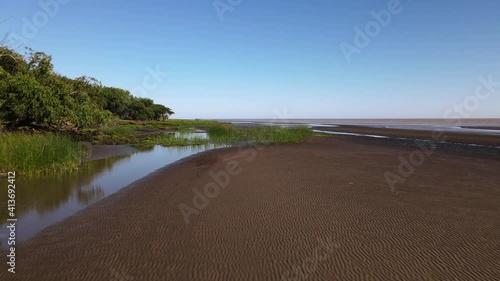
[42, 201]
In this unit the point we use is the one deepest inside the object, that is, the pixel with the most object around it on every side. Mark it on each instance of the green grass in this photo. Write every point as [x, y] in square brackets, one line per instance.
[227, 133]
[186, 129]
[192, 123]
[138, 132]
[172, 124]
[277, 135]
[38, 153]
[119, 130]
[262, 135]
[171, 140]
[49, 153]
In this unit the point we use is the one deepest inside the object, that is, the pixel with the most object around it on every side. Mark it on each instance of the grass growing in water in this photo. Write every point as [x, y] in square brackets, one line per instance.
[172, 140]
[38, 153]
[227, 133]
[263, 134]
[277, 135]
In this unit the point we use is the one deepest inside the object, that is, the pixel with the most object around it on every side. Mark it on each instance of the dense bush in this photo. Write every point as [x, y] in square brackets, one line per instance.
[32, 93]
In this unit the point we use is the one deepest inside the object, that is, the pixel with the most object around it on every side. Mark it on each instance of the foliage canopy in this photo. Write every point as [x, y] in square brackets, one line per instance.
[32, 93]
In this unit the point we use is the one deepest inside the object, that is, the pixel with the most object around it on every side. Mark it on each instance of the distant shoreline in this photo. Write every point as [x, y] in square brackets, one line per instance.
[443, 121]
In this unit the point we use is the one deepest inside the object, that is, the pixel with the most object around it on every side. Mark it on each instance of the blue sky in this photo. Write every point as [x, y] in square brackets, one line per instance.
[268, 57]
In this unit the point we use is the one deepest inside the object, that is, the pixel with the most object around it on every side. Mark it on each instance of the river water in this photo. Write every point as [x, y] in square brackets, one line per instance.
[42, 201]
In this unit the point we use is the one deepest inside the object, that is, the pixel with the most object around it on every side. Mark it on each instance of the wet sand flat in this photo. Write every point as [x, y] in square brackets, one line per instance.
[437, 135]
[316, 211]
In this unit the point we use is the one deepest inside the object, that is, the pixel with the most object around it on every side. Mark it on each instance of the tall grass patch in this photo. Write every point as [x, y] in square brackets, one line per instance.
[277, 135]
[38, 153]
[262, 135]
[227, 133]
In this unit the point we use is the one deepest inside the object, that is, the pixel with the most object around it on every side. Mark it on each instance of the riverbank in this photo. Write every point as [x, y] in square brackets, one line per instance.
[26, 151]
[321, 210]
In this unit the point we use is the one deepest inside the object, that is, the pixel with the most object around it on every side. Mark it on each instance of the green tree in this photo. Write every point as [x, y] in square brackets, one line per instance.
[142, 109]
[26, 101]
[82, 104]
[162, 112]
[12, 62]
[40, 65]
[32, 93]
[117, 101]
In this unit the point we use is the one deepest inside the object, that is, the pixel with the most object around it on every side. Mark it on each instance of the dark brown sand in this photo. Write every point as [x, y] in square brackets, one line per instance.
[316, 211]
[471, 137]
[483, 127]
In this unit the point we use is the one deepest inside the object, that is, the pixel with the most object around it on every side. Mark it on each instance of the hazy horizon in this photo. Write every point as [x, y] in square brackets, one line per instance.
[292, 59]
[493, 122]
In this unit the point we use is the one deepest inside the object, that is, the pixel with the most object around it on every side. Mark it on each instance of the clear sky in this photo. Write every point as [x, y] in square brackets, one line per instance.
[263, 57]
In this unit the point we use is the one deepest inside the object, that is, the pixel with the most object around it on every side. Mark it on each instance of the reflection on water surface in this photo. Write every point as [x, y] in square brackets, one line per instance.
[44, 200]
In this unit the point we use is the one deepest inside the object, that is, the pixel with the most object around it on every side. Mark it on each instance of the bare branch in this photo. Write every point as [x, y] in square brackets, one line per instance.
[8, 55]
[2, 48]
